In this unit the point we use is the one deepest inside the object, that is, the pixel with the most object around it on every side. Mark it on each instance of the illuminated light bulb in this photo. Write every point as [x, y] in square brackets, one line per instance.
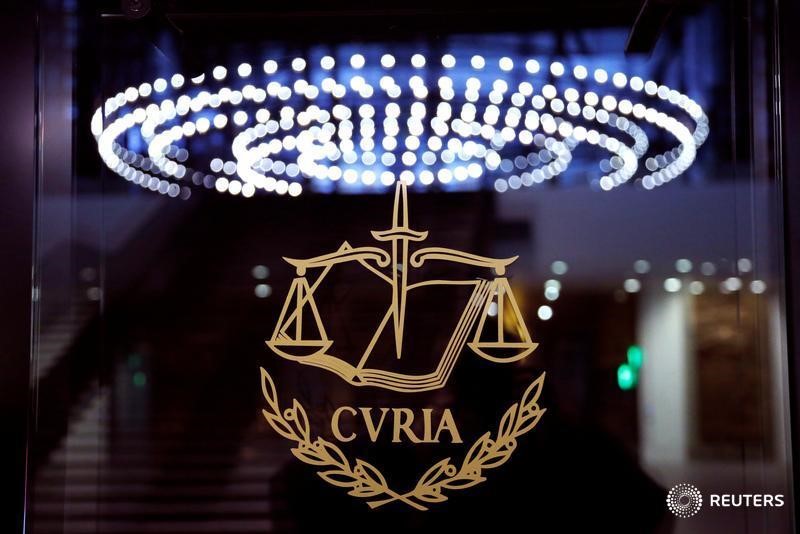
[609, 103]
[445, 175]
[474, 170]
[229, 168]
[641, 266]
[368, 158]
[683, 265]
[744, 265]
[408, 159]
[672, 285]
[350, 176]
[506, 64]
[557, 68]
[758, 287]
[298, 64]
[386, 82]
[220, 121]
[368, 177]
[282, 187]
[545, 312]
[532, 66]
[294, 189]
[244, 70]
[234, 187]
[571, 94]
[696, 287]
[600, 76]
[418, 61]
[357, 82]
[219, 72]
[240, 118]
[357, 61]
[132, 94]
[270, 66]
[559, 267]
[580, 72]
[477, 62]
[221, 184]
[733, 283]
[327, 62]
[632, 285]
[412, 142]
[387, 178]
[552, 293]
[387, 61]
[389, 143]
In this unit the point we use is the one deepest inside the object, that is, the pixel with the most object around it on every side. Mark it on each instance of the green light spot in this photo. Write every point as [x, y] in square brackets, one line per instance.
[139, 379]
[134, 361]
[635, 356]
[626, 377]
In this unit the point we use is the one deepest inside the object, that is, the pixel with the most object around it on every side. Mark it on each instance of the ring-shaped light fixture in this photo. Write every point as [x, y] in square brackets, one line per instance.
[423, 120]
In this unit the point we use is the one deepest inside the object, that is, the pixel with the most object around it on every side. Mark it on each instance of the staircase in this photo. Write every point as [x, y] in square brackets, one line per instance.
[96, 482]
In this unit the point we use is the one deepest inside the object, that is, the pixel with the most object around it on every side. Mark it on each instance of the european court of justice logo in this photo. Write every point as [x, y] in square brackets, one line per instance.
[300, 336]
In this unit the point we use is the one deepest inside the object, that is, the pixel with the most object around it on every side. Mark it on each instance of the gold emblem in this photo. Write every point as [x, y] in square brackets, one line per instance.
[290, 340]
[300, 336]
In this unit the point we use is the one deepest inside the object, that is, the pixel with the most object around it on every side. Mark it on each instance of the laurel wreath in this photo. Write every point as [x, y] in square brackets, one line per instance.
[365, 481]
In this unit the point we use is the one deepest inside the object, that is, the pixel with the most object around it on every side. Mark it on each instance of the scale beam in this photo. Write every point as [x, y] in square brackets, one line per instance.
[290, 339]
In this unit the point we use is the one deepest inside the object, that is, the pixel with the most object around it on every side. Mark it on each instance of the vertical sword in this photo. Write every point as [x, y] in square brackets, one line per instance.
[399, 235]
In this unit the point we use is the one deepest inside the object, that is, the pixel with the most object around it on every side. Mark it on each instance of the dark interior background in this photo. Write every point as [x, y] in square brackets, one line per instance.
[162, 329]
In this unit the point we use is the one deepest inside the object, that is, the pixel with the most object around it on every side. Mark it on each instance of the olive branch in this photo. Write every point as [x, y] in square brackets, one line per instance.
[365, 481]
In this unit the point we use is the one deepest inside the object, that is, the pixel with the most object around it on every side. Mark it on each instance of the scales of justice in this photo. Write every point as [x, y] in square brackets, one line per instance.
[310, 346]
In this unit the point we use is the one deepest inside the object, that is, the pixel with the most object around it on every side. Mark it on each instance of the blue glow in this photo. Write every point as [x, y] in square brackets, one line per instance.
[470, 104]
